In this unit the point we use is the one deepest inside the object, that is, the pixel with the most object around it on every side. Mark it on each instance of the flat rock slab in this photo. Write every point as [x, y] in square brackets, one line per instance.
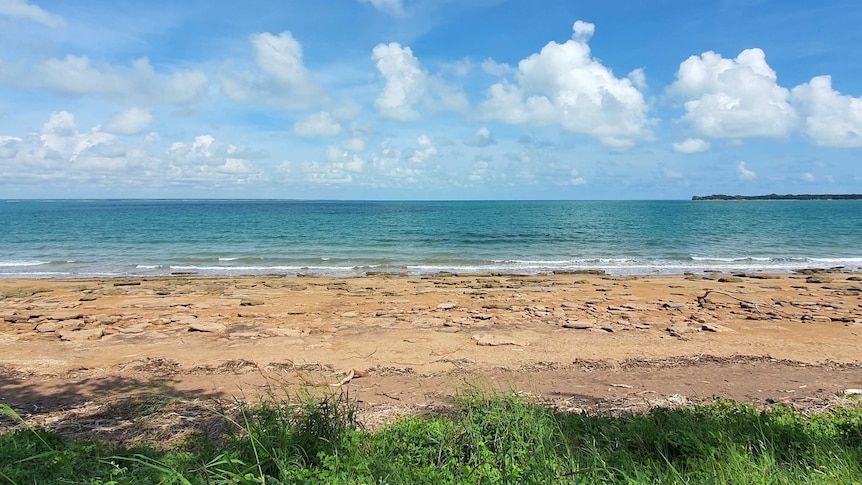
[486, 340]
[136, 328]
[81, 334]
[184, 319]
[211, 327]
[680, 329]
[51, 326]
[579, 324]
[281, 332]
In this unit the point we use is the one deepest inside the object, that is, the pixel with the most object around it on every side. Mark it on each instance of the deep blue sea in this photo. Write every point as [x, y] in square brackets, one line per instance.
[112, 238]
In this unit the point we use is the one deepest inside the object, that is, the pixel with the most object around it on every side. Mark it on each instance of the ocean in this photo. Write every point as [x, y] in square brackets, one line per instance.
[116, 238]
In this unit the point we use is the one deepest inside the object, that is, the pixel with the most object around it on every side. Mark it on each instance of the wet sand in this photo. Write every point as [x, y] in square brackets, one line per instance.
[72, 350]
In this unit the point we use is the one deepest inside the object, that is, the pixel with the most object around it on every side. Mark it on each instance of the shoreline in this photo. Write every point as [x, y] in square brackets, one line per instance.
[707, 271]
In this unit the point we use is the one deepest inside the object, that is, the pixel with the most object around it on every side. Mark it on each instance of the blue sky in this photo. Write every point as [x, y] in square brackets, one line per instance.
[429, 99]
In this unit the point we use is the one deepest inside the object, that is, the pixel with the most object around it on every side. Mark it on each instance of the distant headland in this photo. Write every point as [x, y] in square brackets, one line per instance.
[780, 197]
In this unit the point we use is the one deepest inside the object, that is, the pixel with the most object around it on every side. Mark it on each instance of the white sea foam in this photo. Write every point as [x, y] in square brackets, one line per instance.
[13, 264]
[741, 259]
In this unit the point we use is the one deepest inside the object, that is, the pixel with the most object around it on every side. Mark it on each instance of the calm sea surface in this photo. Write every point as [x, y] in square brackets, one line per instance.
[104, 238]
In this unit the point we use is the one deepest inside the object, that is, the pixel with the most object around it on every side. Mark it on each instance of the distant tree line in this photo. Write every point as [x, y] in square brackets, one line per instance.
[779, 197]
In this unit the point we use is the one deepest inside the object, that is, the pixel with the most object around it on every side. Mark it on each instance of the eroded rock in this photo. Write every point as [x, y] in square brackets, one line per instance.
[488, 340]
[210, 327]
[81, 334]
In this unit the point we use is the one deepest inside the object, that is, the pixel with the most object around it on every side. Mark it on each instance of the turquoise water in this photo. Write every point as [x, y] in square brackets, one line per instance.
[104, 238]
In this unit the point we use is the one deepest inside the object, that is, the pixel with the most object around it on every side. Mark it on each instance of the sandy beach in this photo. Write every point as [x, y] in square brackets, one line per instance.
[72, 350]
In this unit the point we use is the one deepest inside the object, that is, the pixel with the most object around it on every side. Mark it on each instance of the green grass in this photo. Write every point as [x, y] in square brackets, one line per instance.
[485, 439]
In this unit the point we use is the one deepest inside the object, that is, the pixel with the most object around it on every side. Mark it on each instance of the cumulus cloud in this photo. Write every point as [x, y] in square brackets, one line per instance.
[282, 80]
[481, 138]
[22, 9]
[354, 144]
[408, 85]
[61, 152]
[808, 177]
[129, 122]
[405, 81]
[575, 178]
[60, 137]
[312, 172]
[136, 84]
[317, 124]
[206, 160]
[344, 158]
[495, 68]
[337, 165]
[394, 7]
[733, 98]
[9, 146]
[583, 30]
[564, 85]
[743, 173]
[830, 118]
[638, 78]
[691, 145]
[424, 151]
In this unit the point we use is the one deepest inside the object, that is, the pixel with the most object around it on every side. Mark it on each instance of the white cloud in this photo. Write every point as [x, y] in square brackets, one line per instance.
[386, 162]
[60, 154]
[321, 173]
[408, 85]
[405, 81]
[355, 145]
[137, 84]
[481, 138]
[317, 124]
[691, 145]
[583, 30]
[808, 177]
[830, 118]
[638, 78]
[743, 173]
[9, 146]
[343, 159]
[495, 68]
[733, 98]
[207, 160]
[22, 9]
[60, 136]
[480, 168]
[394, 7]
[424, 151]
[282, 81]
[129, 122]
[564, 85]
[575, 178]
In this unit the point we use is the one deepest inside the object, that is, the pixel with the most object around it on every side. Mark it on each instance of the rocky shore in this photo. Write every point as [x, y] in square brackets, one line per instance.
[398, 344]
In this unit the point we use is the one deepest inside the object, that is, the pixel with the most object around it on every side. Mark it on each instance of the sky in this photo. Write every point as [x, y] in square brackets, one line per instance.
[429, 99]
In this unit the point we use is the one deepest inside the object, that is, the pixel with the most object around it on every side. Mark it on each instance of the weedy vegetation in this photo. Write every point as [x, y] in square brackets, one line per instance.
[485, 438]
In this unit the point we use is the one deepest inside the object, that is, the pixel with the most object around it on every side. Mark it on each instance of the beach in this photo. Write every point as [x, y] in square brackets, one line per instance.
[400, 344]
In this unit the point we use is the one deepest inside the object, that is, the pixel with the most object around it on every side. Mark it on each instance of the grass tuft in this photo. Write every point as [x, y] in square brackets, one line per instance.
[486, 438]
